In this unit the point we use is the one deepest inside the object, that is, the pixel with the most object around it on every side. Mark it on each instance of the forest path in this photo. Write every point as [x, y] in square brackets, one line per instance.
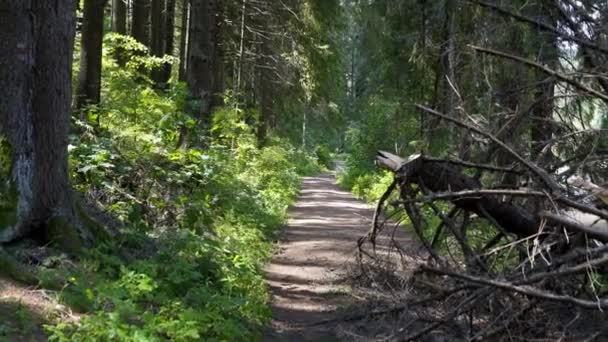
[316, 249]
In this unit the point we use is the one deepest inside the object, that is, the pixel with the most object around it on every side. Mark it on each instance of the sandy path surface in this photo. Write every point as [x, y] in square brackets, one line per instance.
[319, 244]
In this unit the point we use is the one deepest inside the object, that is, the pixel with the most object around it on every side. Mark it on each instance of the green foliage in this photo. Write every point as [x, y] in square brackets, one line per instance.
[192, 288]
[197, 222]
[128, 52]
[19, 325]
[325, 156]
[6, 159]
[8, 193]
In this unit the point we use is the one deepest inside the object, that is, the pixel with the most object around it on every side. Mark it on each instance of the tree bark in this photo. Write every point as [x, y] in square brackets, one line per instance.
[265, 71]
[140, 21]
[119, 16]
[541, 130]
[441, 177]
[183, 40]
[169, 28]
[239, 71]
[201, 50]
[157, 48]
[36, 47]
[89, 77]
[156, 28]
[218, 58]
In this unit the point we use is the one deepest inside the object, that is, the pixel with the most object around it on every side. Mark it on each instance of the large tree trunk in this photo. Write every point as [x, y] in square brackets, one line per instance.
[265, 70]
[183, 40]
[201, 49]
[89, 77]
[218, 58]
[36, 46]
[140, 21]
[157, 36]
[119, 16]
[541, 130]
[169, 28]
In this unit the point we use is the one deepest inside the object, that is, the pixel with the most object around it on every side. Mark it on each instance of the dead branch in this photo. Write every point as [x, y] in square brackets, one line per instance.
[535, 169]
[600, 303]
[440, 178]
[544, 26]
[472, 165]
[544, 69]
[375, 228]
[574, 225]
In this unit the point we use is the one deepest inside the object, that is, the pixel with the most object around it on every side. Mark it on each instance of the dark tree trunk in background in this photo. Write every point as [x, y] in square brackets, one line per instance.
[265, 71]
[168, 42]
[541, 131]
[140, 21]
[89, 76]
[201, 50]
[183, 40]
[218, 58]
[157, 34]
[36, 47]
[119, 16]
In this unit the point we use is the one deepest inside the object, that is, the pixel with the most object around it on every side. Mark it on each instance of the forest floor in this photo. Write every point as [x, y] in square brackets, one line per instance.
[312, 299]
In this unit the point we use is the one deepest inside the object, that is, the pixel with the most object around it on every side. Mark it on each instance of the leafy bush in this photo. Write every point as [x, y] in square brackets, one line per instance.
[197, 222]
[325, 156]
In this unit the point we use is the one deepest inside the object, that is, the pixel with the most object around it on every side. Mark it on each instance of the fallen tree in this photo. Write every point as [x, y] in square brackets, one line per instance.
[544, 242]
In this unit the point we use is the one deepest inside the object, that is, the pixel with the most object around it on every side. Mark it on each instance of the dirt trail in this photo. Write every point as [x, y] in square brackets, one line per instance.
[317, 247]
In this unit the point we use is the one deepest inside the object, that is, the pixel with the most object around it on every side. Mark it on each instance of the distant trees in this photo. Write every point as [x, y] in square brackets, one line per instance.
[256, 55]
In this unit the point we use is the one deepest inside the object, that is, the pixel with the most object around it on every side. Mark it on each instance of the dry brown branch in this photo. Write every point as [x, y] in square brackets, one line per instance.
[600, 303]
[574, 225]
[541, 25]
[458, 310]
[478, 194]
[544, 69]
[535, 169]
[375, 228]
[472, 165]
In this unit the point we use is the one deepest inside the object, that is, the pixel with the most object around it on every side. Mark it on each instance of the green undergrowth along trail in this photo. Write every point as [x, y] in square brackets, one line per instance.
[195, 224]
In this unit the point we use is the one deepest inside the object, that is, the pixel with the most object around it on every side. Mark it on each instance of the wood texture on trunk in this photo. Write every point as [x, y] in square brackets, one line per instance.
[218, 58]
[157, 36]
[265, 71]
[442, 177]
[140, 21]
[36, 47]
[119, 16]
[89, 77]
[169, 37]
[183, 40]
[201, 50]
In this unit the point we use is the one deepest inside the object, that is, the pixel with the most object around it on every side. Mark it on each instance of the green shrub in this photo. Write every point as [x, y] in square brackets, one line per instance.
[197, 223]
[325, 156]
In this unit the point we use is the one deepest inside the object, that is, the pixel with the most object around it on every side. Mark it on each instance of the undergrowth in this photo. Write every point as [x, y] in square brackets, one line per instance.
[196, 223]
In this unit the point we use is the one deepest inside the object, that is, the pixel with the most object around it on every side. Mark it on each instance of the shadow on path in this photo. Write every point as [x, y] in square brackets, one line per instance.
[319, 244]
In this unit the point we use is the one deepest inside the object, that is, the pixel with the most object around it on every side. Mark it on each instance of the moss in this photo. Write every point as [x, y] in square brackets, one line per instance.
[65, 235]
[51, 279]
[15, 270]
[91, 225]
[8, 193]
[9, 198]
[6, 158]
